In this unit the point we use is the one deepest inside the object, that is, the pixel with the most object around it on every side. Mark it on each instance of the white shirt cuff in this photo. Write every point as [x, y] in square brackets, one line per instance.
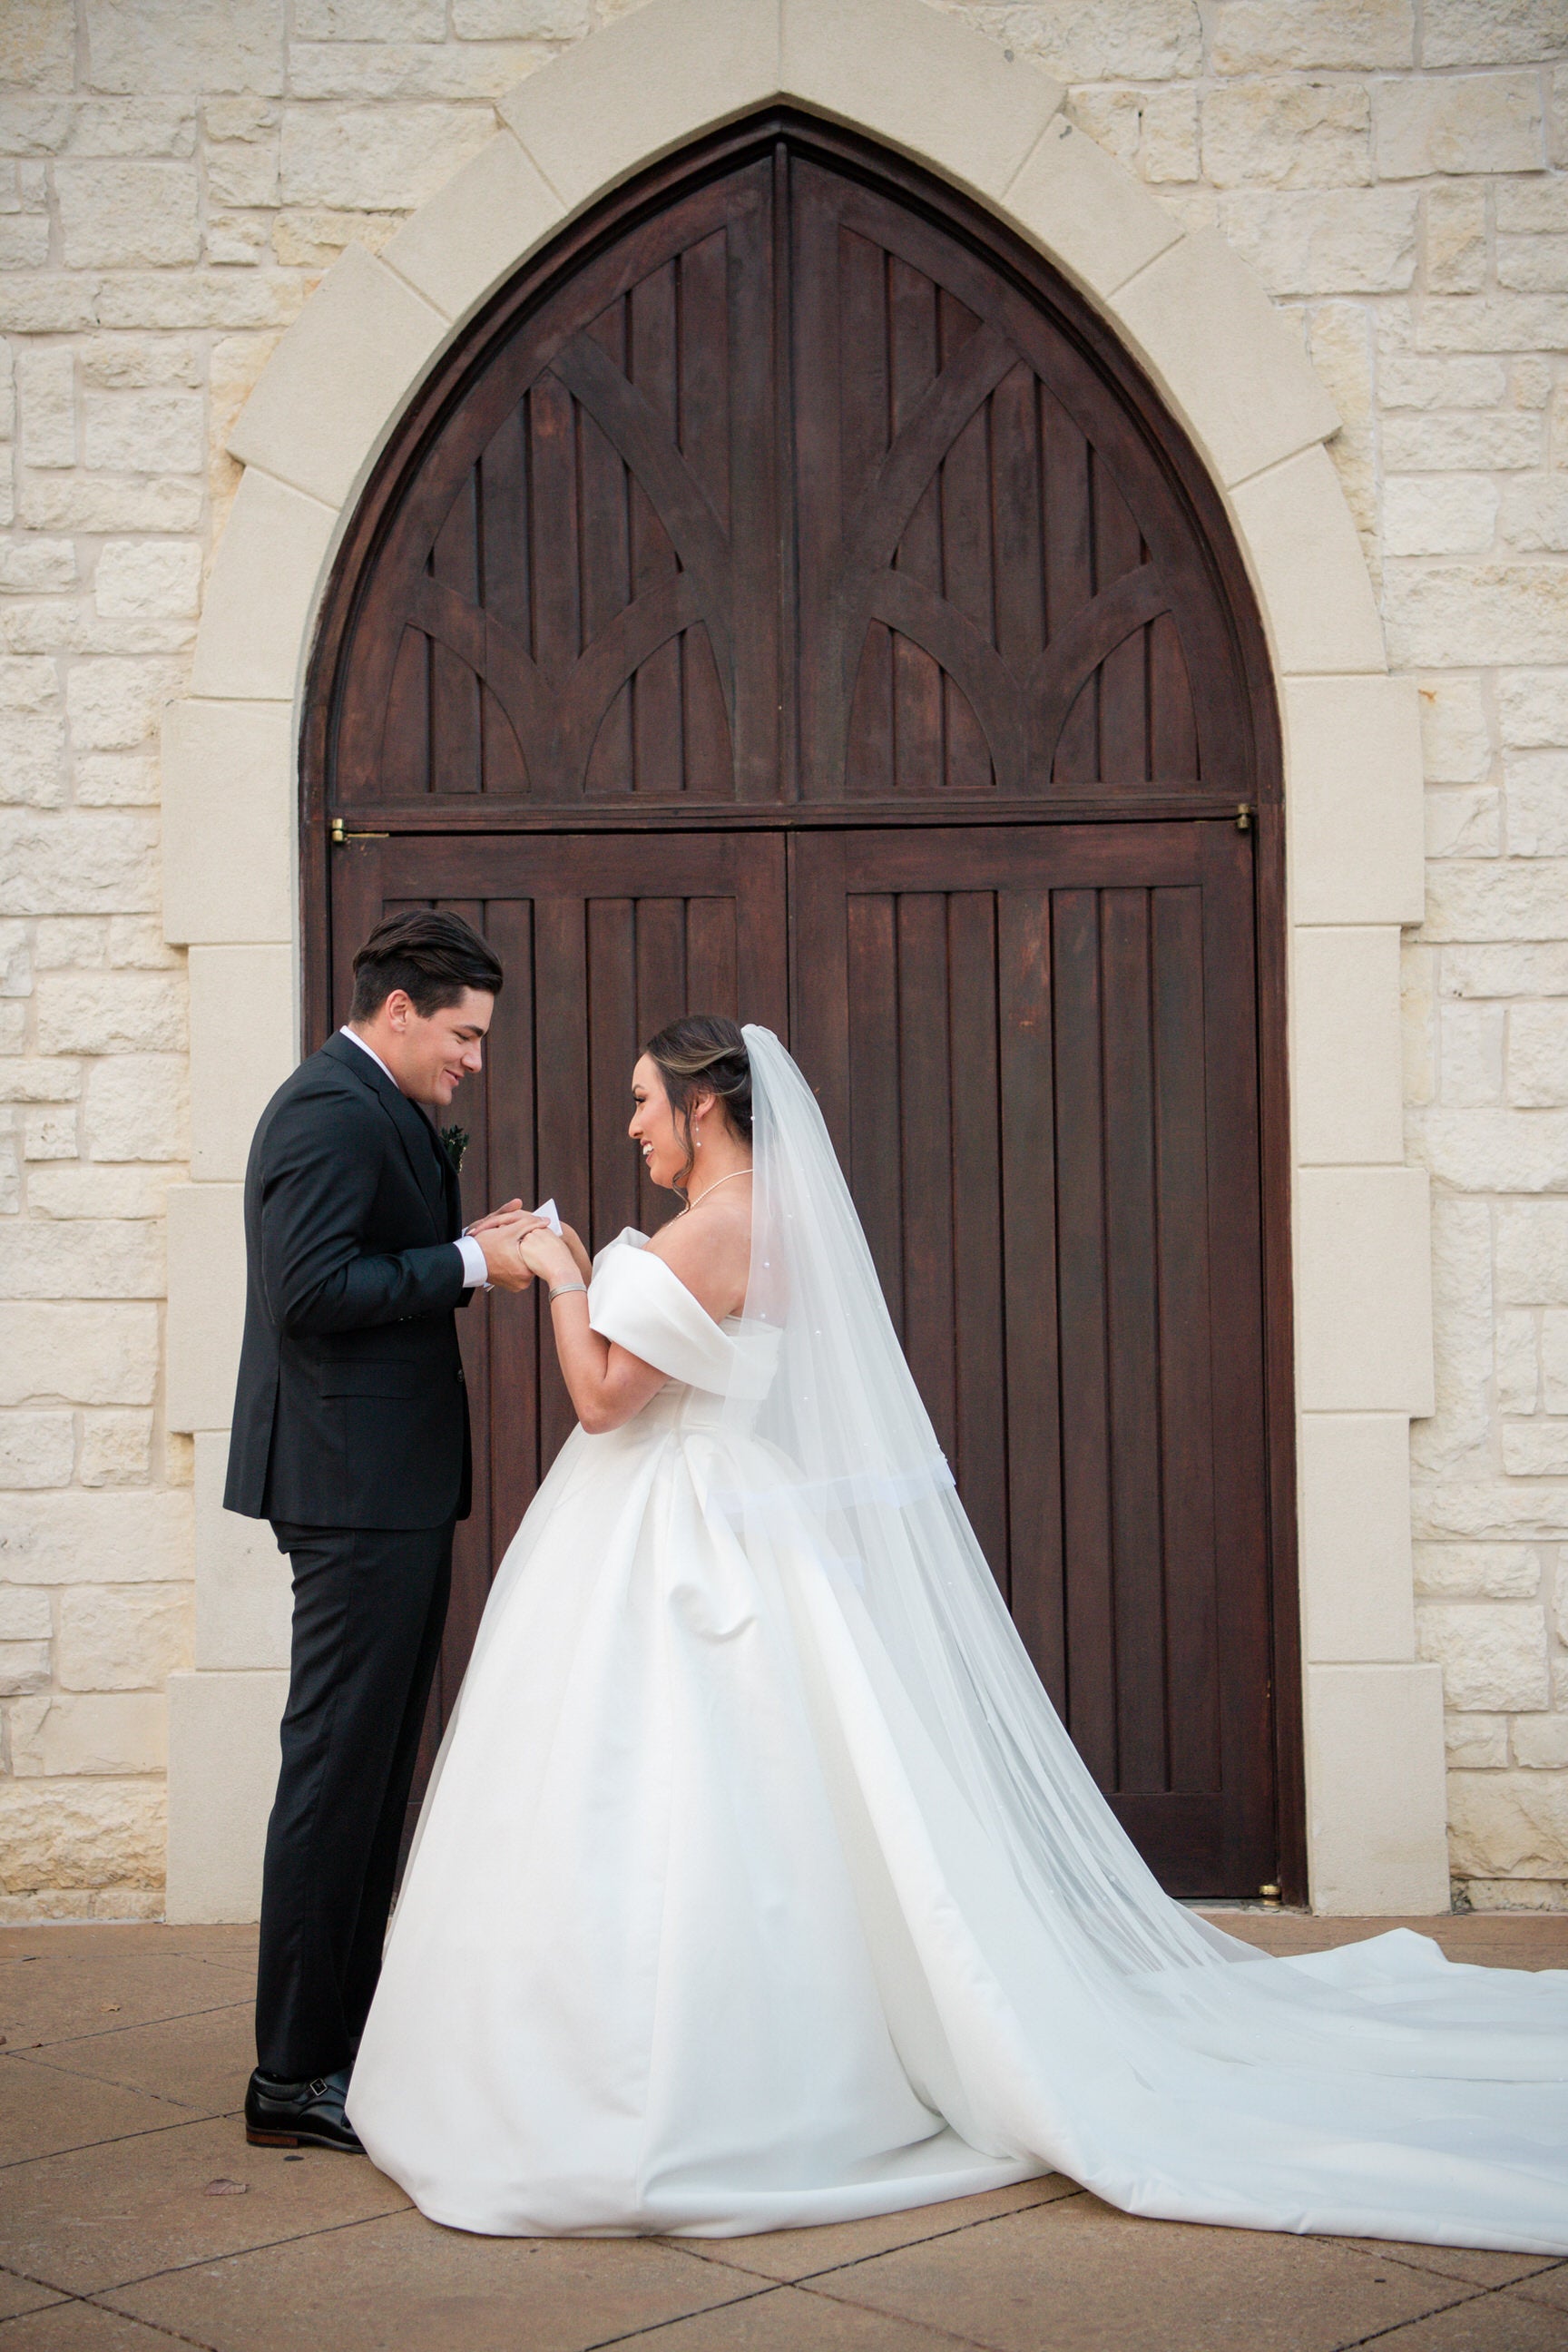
[476, 1274]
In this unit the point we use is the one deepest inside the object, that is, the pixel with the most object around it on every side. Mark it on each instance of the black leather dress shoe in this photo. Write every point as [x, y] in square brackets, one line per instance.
[299, 2115]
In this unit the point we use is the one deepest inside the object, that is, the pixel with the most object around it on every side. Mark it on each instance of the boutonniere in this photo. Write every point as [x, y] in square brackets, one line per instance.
[454, 1143]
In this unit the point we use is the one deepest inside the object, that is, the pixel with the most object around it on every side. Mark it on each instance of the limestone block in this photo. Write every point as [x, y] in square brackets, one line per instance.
[473, 231]
[1492, 322]
[15, 960]
[1354, 1500]
[110, 1012]
[158, 432]
[1168, 142]
[532, 20]
[1417, 1004]
[1470, 615]
[1376, 1790]
[116, 1449]
[40, 1081]
[136, 1108]
[341, 374]
[136, 46]
[1492, 1150]
[370, 20]
[123, 214]
[389, 71]
[1456, 1434]
[106, 502]
[1492, 1655]
[1455, 241]
[1535, 516]
[1541, 1741]
[1511, 899]
[1088, 213]
[25, 1667]
[1261, 36]
[1488, 1509]
[1555, 1360]
[149, 579]
[77, 1835]
[1439, 515]
[50, 1133]
[1364, 1290]
[136, 943]
[223, 1770]
[130, 1535]
[100, 1258]
[123, 1637]
[1353, 774]
[113, 705]
[244, 1596]
[1532, 208]
[1482, 33]
[46, 386]
[1535, 1449]
[36, 1449]
[244, 1032]
[83, 1351]
[1149, 40]
[1471, 1044]
[1345, 1025]
[1464, 821]
[1307, 562]
[1538, 1055]
[37, 46]
[1518, 1379]
[1420, 442]
[32, 758]
[24, 1615]
[122, 1731]
[261, 594]
[207, 1303]
[1478, 1571]
[379, 157]
[1455, 734]
[229, 806]
[1210, 337]
[1476, 1743]
[1325, 241]
[1509, 1825]
[242, 172]
[1533, 707]
[1467, 122]
[1409, 379]
[1291, 134]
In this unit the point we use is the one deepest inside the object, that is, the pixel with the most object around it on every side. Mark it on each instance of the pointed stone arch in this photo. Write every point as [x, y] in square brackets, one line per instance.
[1228, 368]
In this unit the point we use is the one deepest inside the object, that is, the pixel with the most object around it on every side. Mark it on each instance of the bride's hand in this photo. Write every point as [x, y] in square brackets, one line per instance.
[546, 1255]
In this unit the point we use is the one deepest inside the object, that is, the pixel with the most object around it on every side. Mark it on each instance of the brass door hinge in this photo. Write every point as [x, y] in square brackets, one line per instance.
[1244, 817]
[339, 837]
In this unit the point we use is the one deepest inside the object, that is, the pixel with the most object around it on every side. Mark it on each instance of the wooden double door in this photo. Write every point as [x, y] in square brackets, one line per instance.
[1033, 1049]
[785, 599]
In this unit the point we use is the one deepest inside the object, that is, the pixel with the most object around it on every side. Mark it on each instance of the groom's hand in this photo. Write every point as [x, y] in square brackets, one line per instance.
[499, 1235]
[508, 1209]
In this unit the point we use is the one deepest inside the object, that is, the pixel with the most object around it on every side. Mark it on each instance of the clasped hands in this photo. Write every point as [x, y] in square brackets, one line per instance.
[518, 1245]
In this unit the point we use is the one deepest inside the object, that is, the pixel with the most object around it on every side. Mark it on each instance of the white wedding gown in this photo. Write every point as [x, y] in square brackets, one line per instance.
[701, 1932]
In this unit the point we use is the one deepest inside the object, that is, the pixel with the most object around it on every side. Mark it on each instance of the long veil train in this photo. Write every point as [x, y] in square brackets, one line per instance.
[1377, 2090]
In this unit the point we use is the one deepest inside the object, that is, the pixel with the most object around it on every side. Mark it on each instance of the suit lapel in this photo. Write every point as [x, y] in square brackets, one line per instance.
[426, 1159]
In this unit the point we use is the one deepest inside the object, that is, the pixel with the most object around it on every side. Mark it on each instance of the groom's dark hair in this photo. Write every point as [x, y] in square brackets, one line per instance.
[432, 957]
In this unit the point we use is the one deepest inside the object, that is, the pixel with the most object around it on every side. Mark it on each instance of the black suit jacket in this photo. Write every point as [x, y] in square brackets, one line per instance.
[351, 1409]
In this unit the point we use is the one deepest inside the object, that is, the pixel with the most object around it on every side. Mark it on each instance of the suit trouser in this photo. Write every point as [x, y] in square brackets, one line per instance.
[369, 1607]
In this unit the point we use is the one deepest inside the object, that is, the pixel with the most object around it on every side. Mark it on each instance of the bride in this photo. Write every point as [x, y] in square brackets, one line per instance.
[759, 1884]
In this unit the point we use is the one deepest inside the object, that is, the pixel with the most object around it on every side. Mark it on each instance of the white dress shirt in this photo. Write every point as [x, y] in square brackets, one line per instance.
[476, 1274]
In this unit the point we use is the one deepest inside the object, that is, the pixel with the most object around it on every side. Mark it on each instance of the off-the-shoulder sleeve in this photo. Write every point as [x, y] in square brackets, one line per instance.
[636, 1300]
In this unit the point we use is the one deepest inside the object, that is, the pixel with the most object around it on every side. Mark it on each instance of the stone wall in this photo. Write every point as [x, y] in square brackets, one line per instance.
[180, 174]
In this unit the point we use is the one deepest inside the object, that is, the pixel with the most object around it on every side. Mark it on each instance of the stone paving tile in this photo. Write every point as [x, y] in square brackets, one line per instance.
[800, 2253]
[102, 2216]
[1484, 1939]
[1548, 2287]
[1079, 2274]
[45, 2110]
[1469, 2263]
[78, 1940]
[799, 2319]
[1507, 2321]
[407, 2285]
[200, 2063]
[41, 2003]
[19, 2294]
[80, 2328]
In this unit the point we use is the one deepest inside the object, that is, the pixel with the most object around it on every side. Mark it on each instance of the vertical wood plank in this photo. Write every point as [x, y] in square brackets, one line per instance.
[917, 753]
[1123, 694]
[605, 544]
[981, 1404]
[1172, 732]
[875, 1165]
[926, 1102]
[864, 414]
[554, 564]
[1069, 577]
[660, 998]
[964, 498]
[657, 689]
[711, 962]
[454, 689]
[509, 1051]
[560, 1001]
[613, 1048]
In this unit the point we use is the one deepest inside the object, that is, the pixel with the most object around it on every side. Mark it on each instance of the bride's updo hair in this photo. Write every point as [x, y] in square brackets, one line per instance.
[700, 1054]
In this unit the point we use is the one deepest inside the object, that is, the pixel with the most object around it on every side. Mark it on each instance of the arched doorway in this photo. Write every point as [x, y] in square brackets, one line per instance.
[788, 599]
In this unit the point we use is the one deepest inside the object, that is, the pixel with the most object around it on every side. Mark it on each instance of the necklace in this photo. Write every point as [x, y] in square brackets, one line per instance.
[713, 1188]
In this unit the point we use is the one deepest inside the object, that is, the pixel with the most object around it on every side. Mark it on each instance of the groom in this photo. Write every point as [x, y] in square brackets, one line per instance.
[351, 1435]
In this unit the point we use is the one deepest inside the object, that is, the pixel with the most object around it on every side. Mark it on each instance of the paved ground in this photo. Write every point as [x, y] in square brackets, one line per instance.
[132, 2214]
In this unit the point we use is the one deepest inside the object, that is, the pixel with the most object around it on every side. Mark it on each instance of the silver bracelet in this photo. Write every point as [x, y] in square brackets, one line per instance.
[564, 1290]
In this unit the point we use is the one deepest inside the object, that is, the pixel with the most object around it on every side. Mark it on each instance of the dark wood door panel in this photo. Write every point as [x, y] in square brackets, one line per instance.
[1025, 1046]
